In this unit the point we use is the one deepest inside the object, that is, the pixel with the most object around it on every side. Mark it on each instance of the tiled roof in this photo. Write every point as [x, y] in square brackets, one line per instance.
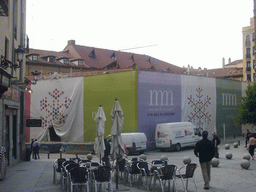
[235, 63]
[221, 72]
[97, 59]
[108, 58]
[57, 55]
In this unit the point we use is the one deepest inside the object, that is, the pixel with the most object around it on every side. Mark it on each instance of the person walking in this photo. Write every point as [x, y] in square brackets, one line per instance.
[247, 137]
[205, 151]
[216, 142]
[36, 147]
[251, 145]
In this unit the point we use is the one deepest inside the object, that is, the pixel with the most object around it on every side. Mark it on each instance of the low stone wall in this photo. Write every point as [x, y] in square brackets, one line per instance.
[70, 148]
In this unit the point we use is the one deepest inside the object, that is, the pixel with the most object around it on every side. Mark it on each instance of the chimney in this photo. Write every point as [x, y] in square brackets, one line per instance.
[71, 42]
[223, 62]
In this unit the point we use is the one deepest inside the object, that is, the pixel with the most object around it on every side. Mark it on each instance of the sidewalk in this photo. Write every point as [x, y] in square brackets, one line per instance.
[37, 175]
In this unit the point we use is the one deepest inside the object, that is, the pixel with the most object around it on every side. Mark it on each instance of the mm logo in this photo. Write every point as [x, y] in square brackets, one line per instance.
[160, 97]
[229, 99]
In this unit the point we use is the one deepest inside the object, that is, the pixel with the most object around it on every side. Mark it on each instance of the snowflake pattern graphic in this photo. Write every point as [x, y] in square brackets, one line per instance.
[200, 114]
[54, 110]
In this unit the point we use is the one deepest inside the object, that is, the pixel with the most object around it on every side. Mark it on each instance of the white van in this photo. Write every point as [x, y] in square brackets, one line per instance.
[176, 135]
[135, 142]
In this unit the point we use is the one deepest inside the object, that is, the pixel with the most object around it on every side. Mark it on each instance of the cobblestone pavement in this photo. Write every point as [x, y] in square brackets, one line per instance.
[37, 175]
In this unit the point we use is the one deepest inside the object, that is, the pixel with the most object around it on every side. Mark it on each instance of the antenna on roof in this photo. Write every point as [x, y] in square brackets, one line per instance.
[138, 47]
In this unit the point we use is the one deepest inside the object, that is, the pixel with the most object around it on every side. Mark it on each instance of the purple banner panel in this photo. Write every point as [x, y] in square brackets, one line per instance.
[159, 101]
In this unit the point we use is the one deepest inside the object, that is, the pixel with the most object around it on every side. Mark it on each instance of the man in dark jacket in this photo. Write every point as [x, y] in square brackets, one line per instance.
[205, 151]
[215, 139]
[106, 152]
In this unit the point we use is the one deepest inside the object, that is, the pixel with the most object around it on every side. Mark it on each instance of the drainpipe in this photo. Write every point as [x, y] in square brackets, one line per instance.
[13, 27]
[22, 94]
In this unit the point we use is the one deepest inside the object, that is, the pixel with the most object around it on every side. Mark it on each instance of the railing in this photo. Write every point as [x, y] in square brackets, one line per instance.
[248, 56]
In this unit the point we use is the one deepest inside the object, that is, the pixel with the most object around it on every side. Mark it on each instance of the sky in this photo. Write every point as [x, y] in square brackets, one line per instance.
[198, 33]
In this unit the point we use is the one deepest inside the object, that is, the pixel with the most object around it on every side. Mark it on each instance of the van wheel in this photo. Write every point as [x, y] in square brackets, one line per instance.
[177, 147]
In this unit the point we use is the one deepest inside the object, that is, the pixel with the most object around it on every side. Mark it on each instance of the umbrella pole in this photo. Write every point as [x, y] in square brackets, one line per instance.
[117, 174]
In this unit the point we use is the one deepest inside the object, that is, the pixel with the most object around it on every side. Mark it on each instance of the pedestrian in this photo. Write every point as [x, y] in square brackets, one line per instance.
[36, 147]
[31, 148]
[247, 137]
[216, 142]
[251, 145]
[205, 151]
[105, 158]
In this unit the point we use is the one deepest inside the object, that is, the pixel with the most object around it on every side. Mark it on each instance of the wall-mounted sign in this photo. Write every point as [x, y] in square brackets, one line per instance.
[33, 123]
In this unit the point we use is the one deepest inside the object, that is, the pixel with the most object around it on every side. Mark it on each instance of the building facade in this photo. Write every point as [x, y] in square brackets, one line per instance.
[12, 48]
[249, 52]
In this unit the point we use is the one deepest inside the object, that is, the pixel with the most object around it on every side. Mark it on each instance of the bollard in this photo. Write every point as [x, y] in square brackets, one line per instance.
[48, 155]
[61, 151]
[238, 142]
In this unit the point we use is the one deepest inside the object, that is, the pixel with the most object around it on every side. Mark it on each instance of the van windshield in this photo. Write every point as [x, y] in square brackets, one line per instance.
[197, 132]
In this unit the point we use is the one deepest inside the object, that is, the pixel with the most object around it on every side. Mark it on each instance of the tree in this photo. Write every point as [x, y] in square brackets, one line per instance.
[247, 109]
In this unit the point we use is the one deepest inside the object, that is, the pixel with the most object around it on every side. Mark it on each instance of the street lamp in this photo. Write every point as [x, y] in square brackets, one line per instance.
[20, 55]
[5, 63]
[35, 74]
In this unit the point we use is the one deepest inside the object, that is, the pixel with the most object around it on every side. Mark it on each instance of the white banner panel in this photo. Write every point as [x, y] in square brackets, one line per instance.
[59, 103]
[198, 101]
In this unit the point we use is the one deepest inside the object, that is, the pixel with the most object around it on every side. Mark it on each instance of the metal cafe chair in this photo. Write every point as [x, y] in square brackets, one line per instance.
[101, 176]
[144, 173]
[67, 165]
[121, 166]
[164, 174]
[133, 171]
[155, 165]
[78, 176]
[57, 166]
[189, 174]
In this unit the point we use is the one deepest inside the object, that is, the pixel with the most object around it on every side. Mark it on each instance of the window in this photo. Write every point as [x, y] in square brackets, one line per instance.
[6, 48]
[34, 57]
[253, 64]
[51, 59]
[253, 50]
[80, 62]
[65, 60]
[113, 56]
[149, 60]
[92, 54]
[132, 58]
[247, 40]
[248, 66]
[248, 53]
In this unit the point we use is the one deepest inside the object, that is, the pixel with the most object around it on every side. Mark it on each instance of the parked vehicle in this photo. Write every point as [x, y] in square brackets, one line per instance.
[176, 135]
[135, 142]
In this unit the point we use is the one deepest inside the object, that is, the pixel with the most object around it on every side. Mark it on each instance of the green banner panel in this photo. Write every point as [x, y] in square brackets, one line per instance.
[228, 98]
[103, 90]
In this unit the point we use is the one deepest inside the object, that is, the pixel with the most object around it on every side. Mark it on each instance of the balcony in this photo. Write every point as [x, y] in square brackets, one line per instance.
[3, 7]
[248, 56]
[247, 44]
